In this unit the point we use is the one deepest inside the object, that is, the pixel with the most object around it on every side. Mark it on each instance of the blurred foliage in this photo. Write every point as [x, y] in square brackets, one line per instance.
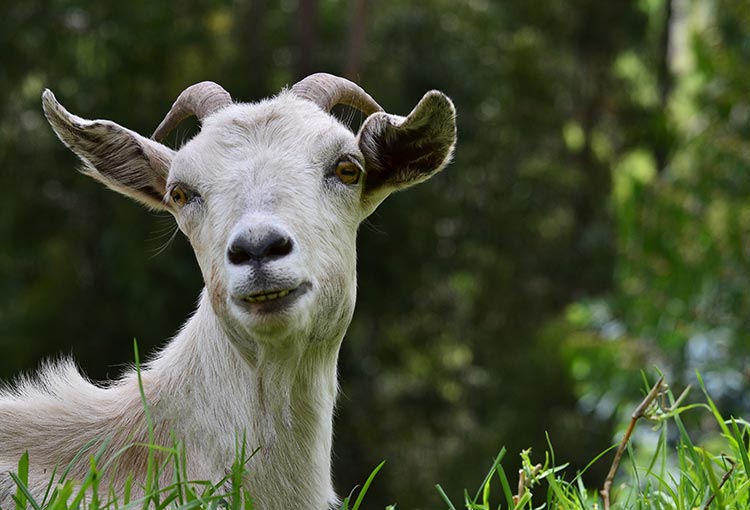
[595, 220]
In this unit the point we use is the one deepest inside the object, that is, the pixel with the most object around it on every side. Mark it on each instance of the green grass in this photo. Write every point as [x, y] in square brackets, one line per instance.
[678, 474]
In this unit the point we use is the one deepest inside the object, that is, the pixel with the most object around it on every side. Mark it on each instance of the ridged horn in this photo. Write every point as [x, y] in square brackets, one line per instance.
[327, 90]
[201, 100]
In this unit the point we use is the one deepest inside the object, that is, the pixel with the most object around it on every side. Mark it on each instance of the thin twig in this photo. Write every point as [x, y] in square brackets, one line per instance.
[723, 481]
[639, 412]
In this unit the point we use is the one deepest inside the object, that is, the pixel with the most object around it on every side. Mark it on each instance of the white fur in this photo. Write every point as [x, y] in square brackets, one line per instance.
[231, 372]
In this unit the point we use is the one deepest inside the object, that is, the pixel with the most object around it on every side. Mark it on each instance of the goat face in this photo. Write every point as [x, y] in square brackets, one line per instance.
[272, 223]
[270, 196]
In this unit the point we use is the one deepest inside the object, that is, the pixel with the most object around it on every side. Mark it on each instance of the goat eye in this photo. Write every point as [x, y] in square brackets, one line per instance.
[180, 196]
[347, 172]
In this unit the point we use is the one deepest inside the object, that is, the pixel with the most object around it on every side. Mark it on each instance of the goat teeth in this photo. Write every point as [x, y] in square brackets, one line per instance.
[259, 298]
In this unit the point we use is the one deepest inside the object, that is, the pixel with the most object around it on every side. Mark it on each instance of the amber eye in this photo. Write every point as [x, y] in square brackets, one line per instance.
[179, 196]
[347, 172]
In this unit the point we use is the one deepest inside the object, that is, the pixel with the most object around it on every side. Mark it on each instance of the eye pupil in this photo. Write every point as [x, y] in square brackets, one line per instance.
[347, 172]
[179, 196]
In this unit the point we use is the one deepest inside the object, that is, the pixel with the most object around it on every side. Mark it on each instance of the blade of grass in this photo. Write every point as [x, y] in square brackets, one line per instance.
[128, 489]
[150, 461]
[495, 463]
[602, 454]
[506, 486]
[238, 468]
[23, 491]
[94, 504]
[48, 490]
[366, 486]
[23, 480]
[445, 497]
[713, 407]
[741, 446]
[713, 481]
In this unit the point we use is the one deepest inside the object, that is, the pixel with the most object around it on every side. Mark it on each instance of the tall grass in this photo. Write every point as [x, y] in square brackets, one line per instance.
[677, 473]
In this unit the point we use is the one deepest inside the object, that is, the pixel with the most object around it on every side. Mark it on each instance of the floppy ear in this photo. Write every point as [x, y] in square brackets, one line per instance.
[400, 152]
[118, 157]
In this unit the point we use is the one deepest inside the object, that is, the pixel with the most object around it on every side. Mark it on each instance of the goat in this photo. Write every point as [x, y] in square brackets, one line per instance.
[270, 196]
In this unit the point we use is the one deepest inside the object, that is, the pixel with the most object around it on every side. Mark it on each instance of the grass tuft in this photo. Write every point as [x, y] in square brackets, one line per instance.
[685, 476]
[677, 474]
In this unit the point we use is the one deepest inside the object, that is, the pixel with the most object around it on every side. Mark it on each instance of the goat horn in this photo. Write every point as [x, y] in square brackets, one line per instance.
[327, 90]
[201, 100]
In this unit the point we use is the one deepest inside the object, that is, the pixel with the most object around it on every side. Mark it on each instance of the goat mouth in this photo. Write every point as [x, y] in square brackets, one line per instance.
[273, 300]
[262, 297]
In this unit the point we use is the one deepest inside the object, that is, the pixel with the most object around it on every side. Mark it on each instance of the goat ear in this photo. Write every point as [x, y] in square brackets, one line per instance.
[400, 152]
[118, 157]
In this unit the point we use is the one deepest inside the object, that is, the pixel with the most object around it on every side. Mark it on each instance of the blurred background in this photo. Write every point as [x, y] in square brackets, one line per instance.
[595, 222]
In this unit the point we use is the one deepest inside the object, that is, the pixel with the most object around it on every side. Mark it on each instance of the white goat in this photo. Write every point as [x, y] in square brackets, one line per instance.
[270, 195]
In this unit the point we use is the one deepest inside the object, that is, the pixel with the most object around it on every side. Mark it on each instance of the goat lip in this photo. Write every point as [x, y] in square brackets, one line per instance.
[268, 301]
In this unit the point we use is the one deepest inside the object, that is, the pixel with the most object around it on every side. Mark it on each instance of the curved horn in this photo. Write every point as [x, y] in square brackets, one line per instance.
[327, 90]
[201, 100]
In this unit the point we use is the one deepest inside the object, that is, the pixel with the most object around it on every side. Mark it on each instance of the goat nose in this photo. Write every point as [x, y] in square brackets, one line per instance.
[248, 249]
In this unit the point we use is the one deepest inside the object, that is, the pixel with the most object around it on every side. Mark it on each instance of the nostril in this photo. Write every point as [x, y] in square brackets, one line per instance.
[279, 247]
[248, 249]
[238, 254]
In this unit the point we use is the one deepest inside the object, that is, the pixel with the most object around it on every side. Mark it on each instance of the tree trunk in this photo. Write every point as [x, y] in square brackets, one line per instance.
[665, 82]
[254, 55]
[306, 35]
[356, 38]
